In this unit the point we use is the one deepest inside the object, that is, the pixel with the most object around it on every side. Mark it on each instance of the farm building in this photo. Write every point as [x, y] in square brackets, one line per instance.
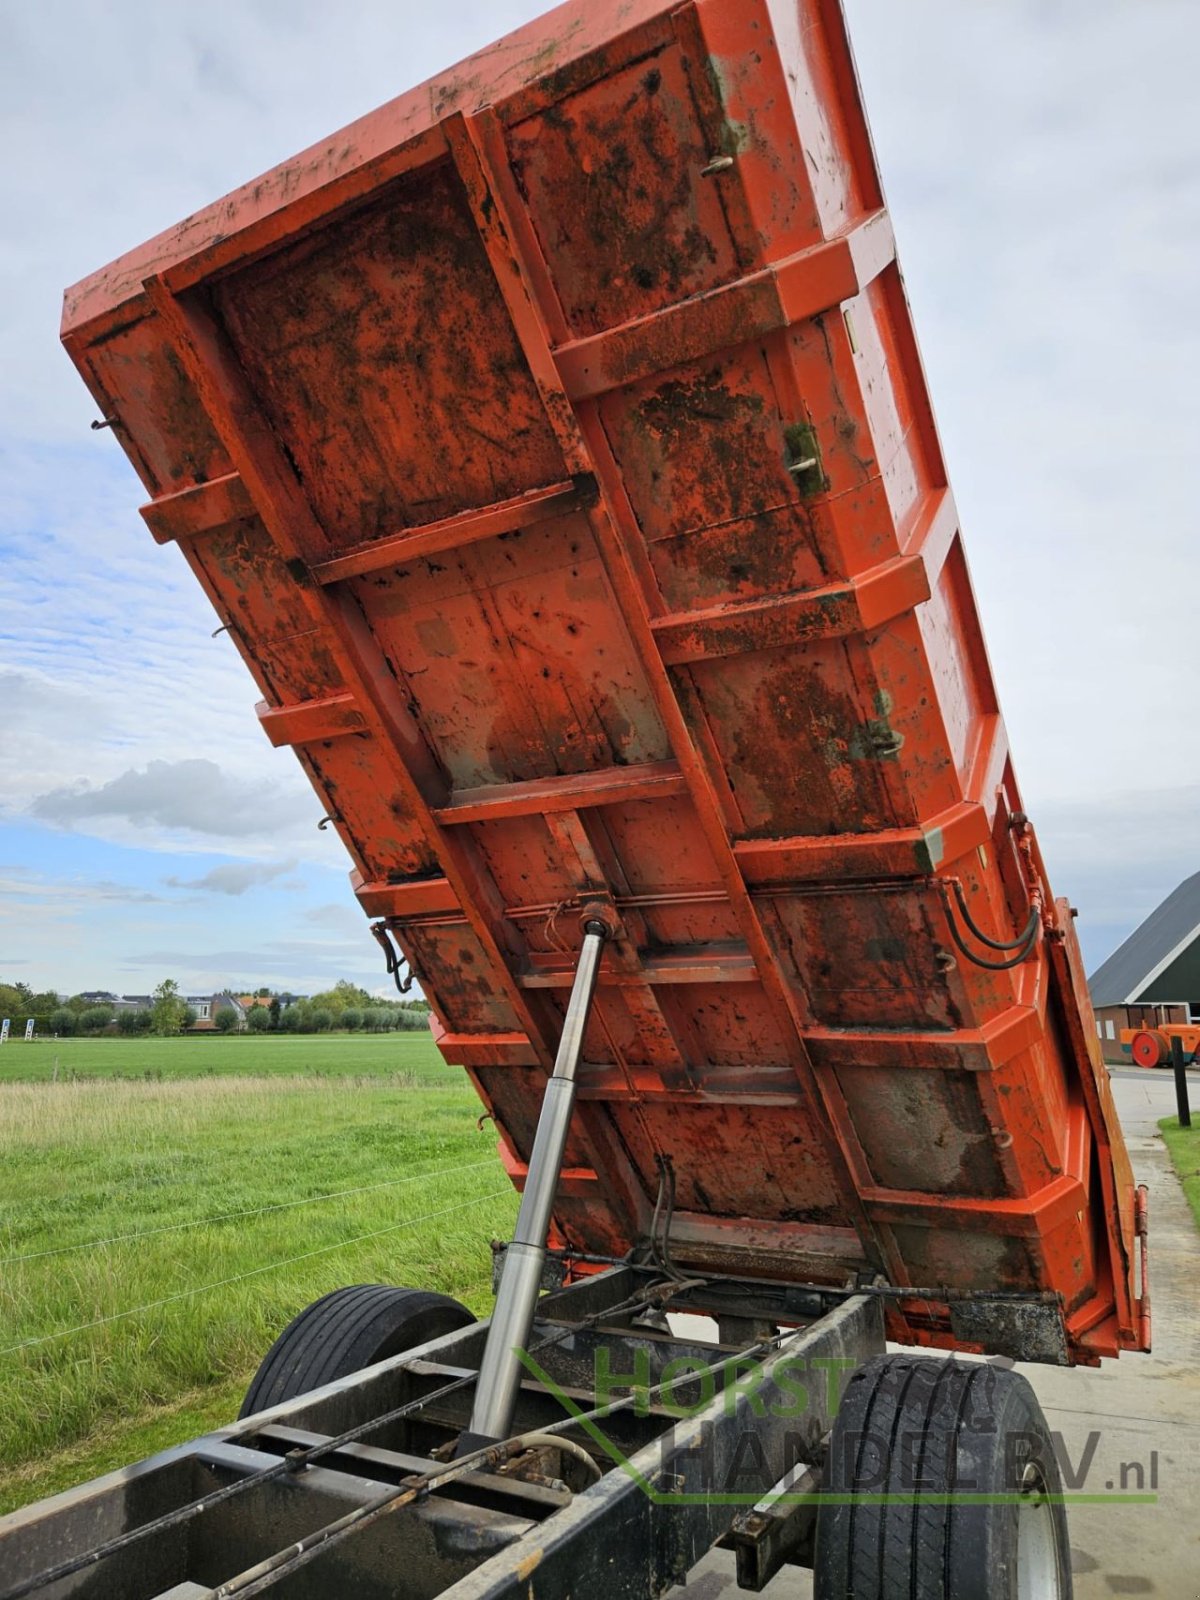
[1154, 977]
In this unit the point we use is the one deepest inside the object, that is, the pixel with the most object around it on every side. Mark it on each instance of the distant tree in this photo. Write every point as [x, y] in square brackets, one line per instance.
[130, 1021]
[275, 1010]
[380, 1019]
[17, 998]
[292, 1020]
[169, 1011]
[63, 1022]
[342, 994]
[352, 1018]
[258, 1019]
[320, 1019]
[77, 1004]
[225, 1020]
[95, 1019]
[190, 1016]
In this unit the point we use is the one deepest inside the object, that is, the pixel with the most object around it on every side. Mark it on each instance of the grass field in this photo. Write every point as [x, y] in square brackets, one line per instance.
[1184, 1147]
[112, 1346]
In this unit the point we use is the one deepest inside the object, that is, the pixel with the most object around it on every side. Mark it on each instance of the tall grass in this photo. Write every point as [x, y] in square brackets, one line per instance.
[85, 1164]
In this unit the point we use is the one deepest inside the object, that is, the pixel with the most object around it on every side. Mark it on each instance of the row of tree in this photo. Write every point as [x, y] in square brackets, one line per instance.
[345, 1006]
[305, 1017]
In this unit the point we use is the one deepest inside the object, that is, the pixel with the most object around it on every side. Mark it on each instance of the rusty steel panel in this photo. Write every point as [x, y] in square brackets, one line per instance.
[555, 444]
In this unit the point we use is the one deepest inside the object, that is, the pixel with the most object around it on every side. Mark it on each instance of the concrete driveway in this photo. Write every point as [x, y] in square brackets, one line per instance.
[1141, 1409]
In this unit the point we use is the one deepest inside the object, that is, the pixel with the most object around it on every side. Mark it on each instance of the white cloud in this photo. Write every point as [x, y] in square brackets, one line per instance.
[346, 919]
[234, 878]
[194, 794]
[36, 889]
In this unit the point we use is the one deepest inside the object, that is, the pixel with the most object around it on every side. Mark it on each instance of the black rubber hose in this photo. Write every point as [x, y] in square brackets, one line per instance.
[992, 944]
[995, 966]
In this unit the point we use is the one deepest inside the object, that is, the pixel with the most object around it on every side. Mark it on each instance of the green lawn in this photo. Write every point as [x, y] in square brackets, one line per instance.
[84, 1163]
[1184, 1146]
[238, 1054]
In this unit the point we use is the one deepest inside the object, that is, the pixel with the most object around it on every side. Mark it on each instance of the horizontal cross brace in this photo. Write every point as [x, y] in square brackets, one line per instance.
[708, 1240]
[311, 720]
[450, 533]
[649, 780]
[778, 621]
[844, 857]
[487, 1050]
[699, 964]
[1029, 1216]
[578, 1181]
[1016, 1028]
[985, 1049]
[421, 897]
[199, 509]
[787, 292]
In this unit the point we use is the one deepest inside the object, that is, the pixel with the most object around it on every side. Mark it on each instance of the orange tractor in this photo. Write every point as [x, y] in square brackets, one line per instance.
[1151, 1047]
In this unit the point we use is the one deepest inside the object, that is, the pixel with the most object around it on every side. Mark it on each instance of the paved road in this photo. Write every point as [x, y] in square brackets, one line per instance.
[1140, 1408]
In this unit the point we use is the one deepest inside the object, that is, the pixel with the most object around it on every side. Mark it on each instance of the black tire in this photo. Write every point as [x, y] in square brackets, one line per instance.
[345, 1331]
[916, 1424]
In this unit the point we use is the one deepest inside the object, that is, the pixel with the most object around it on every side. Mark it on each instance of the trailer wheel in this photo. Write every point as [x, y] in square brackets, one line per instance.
[345, 1331]
[916, 1425]
[1149, 1048]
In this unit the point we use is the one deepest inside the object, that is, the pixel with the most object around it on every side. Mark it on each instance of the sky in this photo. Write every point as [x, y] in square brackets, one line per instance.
[1042, 165]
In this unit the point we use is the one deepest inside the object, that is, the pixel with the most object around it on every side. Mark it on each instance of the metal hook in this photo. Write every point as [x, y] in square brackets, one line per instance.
[226, 627]
[395, 959]
[106, 422]
[326, 820]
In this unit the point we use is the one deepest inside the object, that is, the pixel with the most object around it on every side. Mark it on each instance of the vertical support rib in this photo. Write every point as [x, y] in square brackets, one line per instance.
[500, 1369]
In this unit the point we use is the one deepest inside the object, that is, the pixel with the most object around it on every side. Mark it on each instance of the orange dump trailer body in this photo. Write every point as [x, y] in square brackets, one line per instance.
[555, 445]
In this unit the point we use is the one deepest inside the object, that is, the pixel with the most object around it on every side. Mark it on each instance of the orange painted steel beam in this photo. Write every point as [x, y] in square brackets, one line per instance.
[812, 281]
[574, 1182]
[199, 509]
[895, 852]
[699, 965]
[487, 1050]
[983, 1049]
[451, 533]
[422, 897]
[758, 1245]
[1027, 1217]
[332, 717]
[468, 151]
[797, 618]
[650, 780]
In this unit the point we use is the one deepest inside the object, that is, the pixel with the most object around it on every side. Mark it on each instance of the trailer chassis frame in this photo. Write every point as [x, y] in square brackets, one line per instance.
[672, 1486]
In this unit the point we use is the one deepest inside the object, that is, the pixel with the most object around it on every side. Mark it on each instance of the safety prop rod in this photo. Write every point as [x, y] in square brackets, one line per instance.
[521, 1278]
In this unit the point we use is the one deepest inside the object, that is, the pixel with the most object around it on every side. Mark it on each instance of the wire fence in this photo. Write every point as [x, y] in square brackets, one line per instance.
[229, 1216]
[254, 1272]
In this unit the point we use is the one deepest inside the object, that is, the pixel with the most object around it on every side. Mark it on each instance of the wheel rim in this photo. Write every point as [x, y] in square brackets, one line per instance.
[1037, 1546]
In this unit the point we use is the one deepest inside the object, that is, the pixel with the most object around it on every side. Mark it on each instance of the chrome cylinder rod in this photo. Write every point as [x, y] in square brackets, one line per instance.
[500, 1370]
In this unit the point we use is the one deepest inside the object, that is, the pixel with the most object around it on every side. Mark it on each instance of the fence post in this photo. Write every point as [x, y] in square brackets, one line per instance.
[1181, 1083]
